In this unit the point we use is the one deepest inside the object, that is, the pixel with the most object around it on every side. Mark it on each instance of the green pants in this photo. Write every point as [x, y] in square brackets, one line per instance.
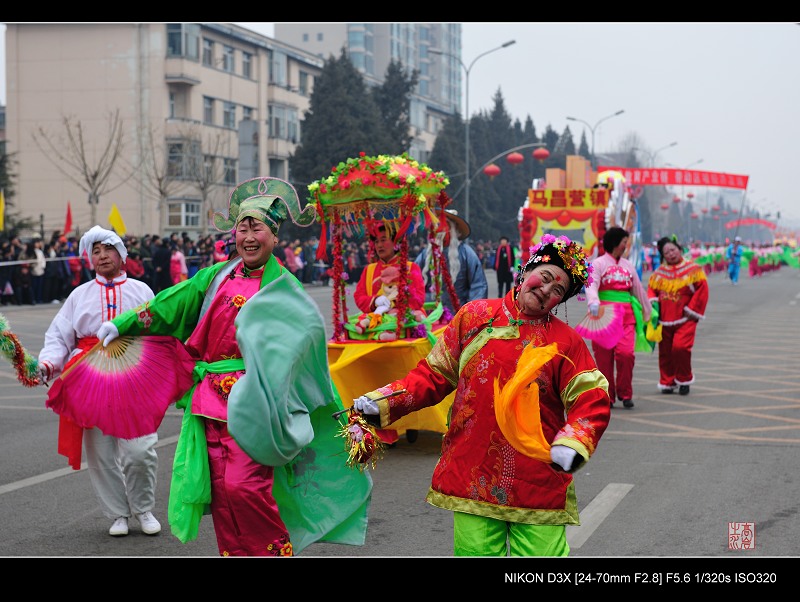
[480, 536]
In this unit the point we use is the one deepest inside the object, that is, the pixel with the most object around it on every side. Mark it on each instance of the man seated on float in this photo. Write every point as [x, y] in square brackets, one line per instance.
[368, 295]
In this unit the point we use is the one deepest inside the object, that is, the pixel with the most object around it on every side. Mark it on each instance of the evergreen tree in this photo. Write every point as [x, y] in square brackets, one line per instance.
[341, 122]
[393, 99]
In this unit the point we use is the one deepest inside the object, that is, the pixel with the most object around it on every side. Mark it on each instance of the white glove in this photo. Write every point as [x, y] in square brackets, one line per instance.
[107, 333]
[46, 371]
[366, 406]
[594, 309]
[563, 456]
[382, 304]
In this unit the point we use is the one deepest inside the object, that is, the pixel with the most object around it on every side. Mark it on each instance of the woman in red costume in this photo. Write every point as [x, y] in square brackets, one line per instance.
[510, 487]
[680, 287]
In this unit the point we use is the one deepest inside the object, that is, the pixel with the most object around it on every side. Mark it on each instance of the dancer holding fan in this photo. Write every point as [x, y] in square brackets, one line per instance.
[122, 471]
[616, 296]
[257, 445]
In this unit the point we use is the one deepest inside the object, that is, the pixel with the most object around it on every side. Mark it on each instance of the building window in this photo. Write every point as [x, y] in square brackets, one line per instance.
[172, 105]
[182, 158]
[247, 65]
[277, 122]
[305, 37]
[208, 52]
[247, 113]
[228, 59]
[303, 83]
[183, 213]
[277, 68]
[319, 37]
[229, 171]
[183, 40]
[208, 110]
[229, 115]
[277, 168]
[293, 126]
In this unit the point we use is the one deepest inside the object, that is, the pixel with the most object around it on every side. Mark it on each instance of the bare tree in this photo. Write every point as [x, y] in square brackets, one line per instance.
[206, 169]
[158, 180]
[67, 151]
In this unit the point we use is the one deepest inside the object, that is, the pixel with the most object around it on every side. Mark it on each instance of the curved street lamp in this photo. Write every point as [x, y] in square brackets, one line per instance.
[652, 156]
[466, 111]
[592, 129]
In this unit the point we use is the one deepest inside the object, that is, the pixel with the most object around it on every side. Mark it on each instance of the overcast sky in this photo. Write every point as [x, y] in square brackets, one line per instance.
[728, 93]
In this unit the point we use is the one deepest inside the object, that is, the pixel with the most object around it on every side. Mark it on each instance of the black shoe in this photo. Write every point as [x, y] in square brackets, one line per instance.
[669, 391]
[411, 435]
[683, 390]
[628, 403]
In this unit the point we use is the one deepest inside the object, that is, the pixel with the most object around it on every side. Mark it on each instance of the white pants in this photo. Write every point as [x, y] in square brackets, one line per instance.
[122, 471]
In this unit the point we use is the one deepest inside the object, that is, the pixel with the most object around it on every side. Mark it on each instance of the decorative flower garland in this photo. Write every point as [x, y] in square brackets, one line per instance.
[25, 364]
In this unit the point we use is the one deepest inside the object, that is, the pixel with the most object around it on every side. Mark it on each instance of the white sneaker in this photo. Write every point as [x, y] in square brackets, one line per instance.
[150, 526]
[119, 528]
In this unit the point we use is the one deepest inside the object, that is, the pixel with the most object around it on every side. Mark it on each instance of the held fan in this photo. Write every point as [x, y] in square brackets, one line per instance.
[605, 328]
[124, 389]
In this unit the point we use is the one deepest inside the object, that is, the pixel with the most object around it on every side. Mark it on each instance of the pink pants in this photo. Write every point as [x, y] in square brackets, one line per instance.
[621, 385]
[246, 517]
[675, 354]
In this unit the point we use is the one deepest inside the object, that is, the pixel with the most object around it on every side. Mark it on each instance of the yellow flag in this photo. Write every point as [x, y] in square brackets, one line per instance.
[116, 221]
[2, 211]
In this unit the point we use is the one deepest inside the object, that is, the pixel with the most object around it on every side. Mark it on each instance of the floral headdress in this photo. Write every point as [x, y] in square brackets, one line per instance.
[566, 254]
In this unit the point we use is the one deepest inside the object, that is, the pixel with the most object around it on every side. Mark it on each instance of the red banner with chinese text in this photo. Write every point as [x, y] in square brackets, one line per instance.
[666, 176]
[750, 221]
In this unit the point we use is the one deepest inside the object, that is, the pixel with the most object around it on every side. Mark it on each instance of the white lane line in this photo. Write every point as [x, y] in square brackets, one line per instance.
[62, 472]
[596, 512]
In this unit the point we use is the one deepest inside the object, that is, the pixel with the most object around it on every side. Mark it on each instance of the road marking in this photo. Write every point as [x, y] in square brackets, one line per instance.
[596, 512]
[62, 472]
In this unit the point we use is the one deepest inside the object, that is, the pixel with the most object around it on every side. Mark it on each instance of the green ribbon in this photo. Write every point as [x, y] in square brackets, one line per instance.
[190, 488]
[641, 344]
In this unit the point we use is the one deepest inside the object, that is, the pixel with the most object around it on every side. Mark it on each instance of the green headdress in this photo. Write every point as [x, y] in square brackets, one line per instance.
[269, 200]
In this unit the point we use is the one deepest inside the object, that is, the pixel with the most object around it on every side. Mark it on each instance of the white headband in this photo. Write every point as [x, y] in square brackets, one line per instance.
[101, 235]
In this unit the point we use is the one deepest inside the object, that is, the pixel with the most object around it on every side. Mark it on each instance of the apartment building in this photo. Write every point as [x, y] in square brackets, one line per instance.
[200, 106]
[372, 46]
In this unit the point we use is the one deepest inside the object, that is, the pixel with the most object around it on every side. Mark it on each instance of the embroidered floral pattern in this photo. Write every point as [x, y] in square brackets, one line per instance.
[222, 384]
[282, 547]
[238, 301]
[144, 316]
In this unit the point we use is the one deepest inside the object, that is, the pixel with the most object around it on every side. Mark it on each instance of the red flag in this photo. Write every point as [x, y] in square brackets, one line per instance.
[68, 222]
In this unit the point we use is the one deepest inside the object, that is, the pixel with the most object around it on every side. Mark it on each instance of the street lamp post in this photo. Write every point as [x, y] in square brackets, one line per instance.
[592, 129]
[652, 156]
[466, 111]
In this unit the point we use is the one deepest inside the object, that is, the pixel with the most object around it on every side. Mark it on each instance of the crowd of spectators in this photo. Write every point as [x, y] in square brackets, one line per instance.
[39, 271]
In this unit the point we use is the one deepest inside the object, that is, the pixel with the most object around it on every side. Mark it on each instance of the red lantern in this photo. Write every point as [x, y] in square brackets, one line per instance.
[704, 210]
[491, 170]
[724, 213]
[714, 207]
[665, 206]
[540, 154]
[694, 216]
[676, 199]
[734, 211]
[690, 195]
[716, 217]
[515, 158]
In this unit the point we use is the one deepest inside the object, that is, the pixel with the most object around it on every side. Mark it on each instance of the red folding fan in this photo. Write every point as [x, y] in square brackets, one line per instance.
[124, 389]
[605, 328]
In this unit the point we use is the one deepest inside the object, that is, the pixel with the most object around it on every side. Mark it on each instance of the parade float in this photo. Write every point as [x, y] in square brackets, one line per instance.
[366, 352]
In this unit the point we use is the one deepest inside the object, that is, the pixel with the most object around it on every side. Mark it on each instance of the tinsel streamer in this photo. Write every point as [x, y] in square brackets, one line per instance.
[402, 294]
[339, 306]
[25, 364]
[362, 444]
